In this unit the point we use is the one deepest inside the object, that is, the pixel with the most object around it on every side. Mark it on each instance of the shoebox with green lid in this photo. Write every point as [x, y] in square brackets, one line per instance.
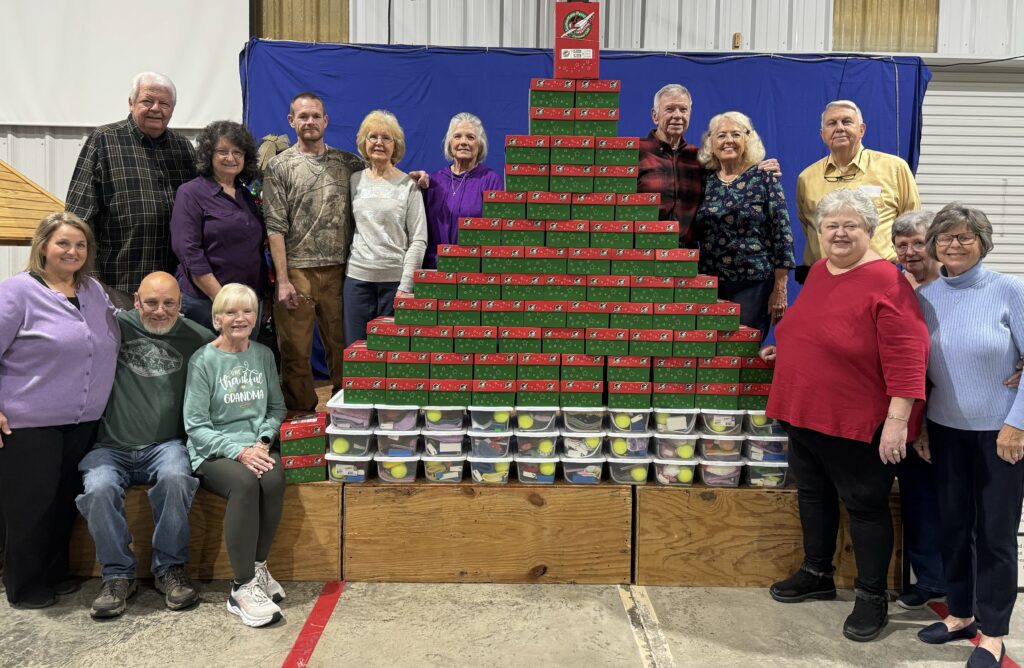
[563, 340]
[498, 204]
[458, 258]
[611, 234]
[458, 311]
[694, 342]
[588, 314]
[408, 365]
[364, 390]
[659, 234]
[545, 313]
[519, 340]
[718, 369]
[698, 289]
[608, 288]
[415, 311]
[623, 394]
[653, 342]
[537, 392]
[534, 149]
[676, 262]
[502, 259]
[494, 366]
[583, 367]
[494, 393]
[552, 92]
[637, 206]
[478, 286]
[753, 396]
[501, 312]
[721, 396]
[548, 206]
[674, 369]
[596, 121]
[581, 394]
[657, 289]
[304, 434]
[745, 342]
[525, 176]
[615, 178]
[432, 284]
[522, 232]
[607, 341]
[723, 316]
[384, 334]
[304, 468]
[454, 366]
[544, 260]
[629, 368]
[556, 287]
[598, 93]
[407, 391]
[630, 315]
[521, 287]
[593, 206]
[567, 233]
[572, 178]
[539, 366]
[753, 369]
[632, 262]
[483, 339]
[673, 395]
[360, 361]
[572, 150]
[552, 121]
[674, 316]
[430, 338]
[450, 392]
[616, 150]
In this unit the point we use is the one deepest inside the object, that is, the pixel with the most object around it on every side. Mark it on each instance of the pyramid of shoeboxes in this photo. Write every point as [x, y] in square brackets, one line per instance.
[562, 329]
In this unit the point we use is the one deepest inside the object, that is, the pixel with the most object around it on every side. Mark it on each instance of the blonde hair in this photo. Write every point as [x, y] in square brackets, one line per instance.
[233, 294]
[753, 150]
[381, 118]
[41, 237]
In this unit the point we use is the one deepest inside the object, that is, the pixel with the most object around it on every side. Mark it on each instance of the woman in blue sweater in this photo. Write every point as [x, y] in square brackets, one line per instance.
[975, 318]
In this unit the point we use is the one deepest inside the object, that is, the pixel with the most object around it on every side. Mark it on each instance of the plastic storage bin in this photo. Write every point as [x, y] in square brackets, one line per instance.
[536, 444]
[582, 444]
[398, 418]
[629, 470]
[488, 418]
[719, 422]
[443, 468]
[720, 474]
[394, 443]
[536, 470]
[631, 420]
[628, 445]
[675, 420]
[349, 416]
[675, 446]
[396, 469]
[352, 442]
[443, 418]
[535, 419]
[721, 448]
[443, 442]
[490, 444]
[766, 448]
[767, 474]
[583, 419]
[756, 423]
[490, 470]
[676, 472]
[348, 468]
[582, 470]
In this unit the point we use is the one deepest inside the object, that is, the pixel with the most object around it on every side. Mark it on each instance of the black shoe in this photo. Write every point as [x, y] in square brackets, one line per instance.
[177, 588]
[35, 602]
[67, 586]
[982, 658]
[868, 618]
[113, 598]
[804, 585]
[916, 598]
[939, 634]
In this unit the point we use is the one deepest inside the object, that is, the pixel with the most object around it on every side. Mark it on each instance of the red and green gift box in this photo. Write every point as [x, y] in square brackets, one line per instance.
[545, 313]
[407, 391]
[304, 468]
[582, 367]
[622, 394]
[552, 93]
[498, 204]
[451, 366]
[673, 395]
[674, 316]
[304, 434]
[384, 334]
[718, 369]
[501, 312]
[611, 234]
[415, 311]
[458, 258]
[694, 342]
[655, 289]
[596, 121]
[552, 120]
[658, 234]
[720, 396]
[753, 369]
[637, 206]
[675, 369]
[502, 259]
[433, 284]
[607, 341]
[568, 233]
[629, 368]
[632, 262]
[608, 288]
[544, 260]
[581, 394]
[653, 342]
[494, 366]
[364, 390]
[745, 342]
[494, 393]
[557, 287]
[483, 231]
[598, 93]
[468, 339]
[630, 315]
[616, 150]
[539, 366]
[519, 340]
[522, 232]
[478, 286]
[588, 314]
[458, 311]
[408, 365]
[593, 206]
[616, 179]
[534, 149]
[572, 150]
[563, 340]
[676, 262]
[450, 392]
[522, 287]
[723, 316]
[698, 289]
[753, 396]
[527, 176]
[360, 361]
[537, 392]
[430, 338]
[548, 206]
[572, 178]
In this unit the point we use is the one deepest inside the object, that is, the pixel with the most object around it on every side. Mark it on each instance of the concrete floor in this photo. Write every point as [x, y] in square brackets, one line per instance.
[398, 625]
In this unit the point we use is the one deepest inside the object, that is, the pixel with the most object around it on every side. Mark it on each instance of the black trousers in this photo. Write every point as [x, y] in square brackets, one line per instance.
[827, 469]
[39, 481]
[980, 499]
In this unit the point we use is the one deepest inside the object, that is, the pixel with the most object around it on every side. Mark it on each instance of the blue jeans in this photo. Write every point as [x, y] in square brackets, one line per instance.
[107, 472]
[922, 528]
[365, 301]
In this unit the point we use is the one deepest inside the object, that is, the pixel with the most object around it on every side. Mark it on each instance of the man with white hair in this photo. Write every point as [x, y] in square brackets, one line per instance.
[885, 178]
[124, 185]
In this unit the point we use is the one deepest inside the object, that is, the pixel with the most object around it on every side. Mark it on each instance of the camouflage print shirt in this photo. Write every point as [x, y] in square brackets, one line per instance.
[306, 200]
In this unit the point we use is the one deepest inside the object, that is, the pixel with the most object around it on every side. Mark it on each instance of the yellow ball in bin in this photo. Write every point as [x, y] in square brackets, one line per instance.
[546, 447]
[685, 451]
[622, 421]
[398, 469]
[661, 418]
[434, 416]
[501, 467]
[638, 473]
[592, 441]
[340, 445]
[501, 416]
[389, 465]
[620, 446]
[685, 475]
[525, 421]
[759, 420]
[547, 468]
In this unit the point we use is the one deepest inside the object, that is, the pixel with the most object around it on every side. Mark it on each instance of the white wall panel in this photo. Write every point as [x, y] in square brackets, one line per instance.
[12, 260]
[981, 28]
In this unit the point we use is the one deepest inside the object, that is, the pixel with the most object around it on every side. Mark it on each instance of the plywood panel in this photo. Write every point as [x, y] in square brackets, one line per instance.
[301, 20]
[885, 25]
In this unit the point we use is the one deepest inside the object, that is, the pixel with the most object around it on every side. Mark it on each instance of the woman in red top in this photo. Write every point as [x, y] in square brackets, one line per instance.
[851, 359]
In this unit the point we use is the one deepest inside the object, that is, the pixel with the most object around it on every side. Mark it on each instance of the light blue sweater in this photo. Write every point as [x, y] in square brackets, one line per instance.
[976, 324]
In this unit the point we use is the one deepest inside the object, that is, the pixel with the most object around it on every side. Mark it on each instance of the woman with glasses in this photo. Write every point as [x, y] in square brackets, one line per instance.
[975, 317]
[390, 227]
[216, 229]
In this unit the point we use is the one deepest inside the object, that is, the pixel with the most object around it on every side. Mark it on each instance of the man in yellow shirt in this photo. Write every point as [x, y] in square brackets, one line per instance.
[885, 178]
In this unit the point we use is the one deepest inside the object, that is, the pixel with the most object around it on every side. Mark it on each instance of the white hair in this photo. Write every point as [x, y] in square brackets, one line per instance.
[671, 89]
[845, 104]
[154, 79]
[848, 200]
[478, 127]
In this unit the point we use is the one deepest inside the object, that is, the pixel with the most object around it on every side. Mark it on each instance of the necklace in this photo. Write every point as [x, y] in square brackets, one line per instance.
[461, 178]
[725, 179]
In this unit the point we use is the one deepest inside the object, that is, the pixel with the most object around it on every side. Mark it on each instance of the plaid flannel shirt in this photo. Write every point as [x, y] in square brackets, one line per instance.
[677, 176]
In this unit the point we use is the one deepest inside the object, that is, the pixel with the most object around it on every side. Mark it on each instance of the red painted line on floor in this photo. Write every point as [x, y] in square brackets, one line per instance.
[311, 631]
[942, 610]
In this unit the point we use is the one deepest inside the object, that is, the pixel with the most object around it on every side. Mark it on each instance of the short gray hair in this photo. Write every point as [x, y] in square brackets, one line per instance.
[753, 150]
[671, 89]
[153, 79]
[910, 223]
[848, 200]
[954, 215]
[233, 295]
[846, 104]
[478, 127]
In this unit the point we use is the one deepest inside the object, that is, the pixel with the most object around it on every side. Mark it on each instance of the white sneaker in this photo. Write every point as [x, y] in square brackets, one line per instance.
[252, 604]
[271, 586]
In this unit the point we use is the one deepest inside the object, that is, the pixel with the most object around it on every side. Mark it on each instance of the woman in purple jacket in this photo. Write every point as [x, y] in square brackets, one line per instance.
[58, 351]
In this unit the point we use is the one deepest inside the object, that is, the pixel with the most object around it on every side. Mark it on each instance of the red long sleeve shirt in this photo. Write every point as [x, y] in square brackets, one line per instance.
[677, 176]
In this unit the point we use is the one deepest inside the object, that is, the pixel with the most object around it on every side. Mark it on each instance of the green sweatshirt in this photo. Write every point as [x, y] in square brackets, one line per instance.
[231, 399]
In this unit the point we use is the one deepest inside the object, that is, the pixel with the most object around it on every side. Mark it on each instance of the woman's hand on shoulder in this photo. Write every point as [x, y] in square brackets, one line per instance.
[4, 428]
[772, 166]
[256, 459]
[421, 178]
[767, 353]
[1010, 444]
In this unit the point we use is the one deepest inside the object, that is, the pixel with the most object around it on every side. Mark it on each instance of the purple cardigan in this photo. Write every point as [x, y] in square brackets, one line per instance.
[451, 197]
[56, 362]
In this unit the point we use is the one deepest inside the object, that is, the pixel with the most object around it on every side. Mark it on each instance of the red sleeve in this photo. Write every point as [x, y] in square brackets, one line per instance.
[902, 341]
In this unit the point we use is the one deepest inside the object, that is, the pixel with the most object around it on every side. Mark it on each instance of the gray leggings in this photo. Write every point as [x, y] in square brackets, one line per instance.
[253, 512]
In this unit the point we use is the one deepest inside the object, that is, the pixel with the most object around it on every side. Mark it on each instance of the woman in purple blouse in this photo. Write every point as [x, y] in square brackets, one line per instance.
[58, 351]
[216, 230]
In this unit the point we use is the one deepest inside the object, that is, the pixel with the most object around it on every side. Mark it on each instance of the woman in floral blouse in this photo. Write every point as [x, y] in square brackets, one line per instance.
[743, 224]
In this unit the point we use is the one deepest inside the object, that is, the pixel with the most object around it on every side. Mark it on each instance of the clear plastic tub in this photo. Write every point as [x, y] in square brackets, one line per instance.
[720, 474]
[719, 422]
[443, 442]
[349, 416]
[675, 472]
[721, 448]
[490, 444]
[490, 418]
[629, 470]
[536, 443]
[352, 442]
[396, 469]
[583, 419]
[348, 468]
[675, 420]
[443, 418]
[766, 448]
[628, 445]
[536, 470]
[582, 470]
[628, 420]
[443, 468]
[767, 474]
[490, 470]
[394, 443]
[675, 446]
[398, 418]
[582, 444]
[756, 423]
[529, 418]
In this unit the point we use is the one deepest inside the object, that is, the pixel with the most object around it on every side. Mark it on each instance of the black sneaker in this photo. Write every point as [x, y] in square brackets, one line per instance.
[870, 615]
[804, 585]
[177, 588]
[113, 598]
[916, 598]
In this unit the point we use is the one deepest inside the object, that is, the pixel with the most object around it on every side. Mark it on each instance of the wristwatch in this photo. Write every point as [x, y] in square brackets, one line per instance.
[265, 440]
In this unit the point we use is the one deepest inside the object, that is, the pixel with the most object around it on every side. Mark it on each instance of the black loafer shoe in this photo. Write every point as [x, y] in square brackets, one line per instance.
[68, 586]
[938, 634]
[802, 586]
[867, 620]
[982, 658]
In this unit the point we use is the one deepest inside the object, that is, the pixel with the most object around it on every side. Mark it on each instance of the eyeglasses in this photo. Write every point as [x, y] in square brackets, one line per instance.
[965, 239]
[917, 246]
[842, 178]
[234, 153]
[384, 139]
[735, 135]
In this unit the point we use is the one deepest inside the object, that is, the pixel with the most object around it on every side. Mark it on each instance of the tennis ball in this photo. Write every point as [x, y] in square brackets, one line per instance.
[340, 445]
[592, 441]
[638, 473]
[546, 447]
[389, 465]
[713, 426]
[525, 421]
[685, 475]
[759, 420]
[684, 451]
[501, 467]
[399, 470]
[547, 468]
[622, 421]
[434, 467]
[434, 416]
[501, 416]
[620, 446]
[661, 418]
